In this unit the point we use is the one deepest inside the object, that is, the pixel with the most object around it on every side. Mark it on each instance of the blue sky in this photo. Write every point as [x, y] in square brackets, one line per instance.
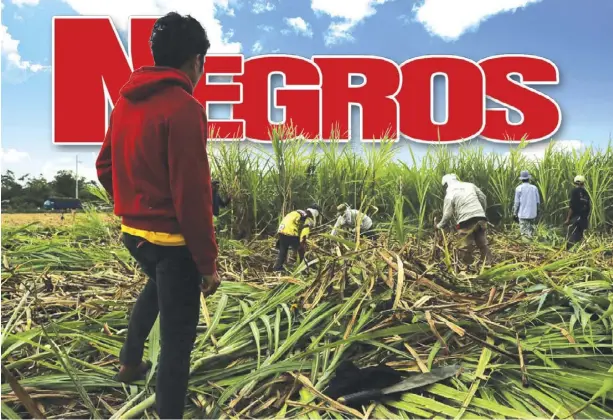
[576, 38]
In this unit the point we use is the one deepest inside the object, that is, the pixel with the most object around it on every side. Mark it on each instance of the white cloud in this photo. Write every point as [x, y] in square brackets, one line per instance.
[204, 11]
[13, 155]
[257, 47]
[347, 14]
[299, 26]
[404, 19]
[262, 6]
[87, 168]
[10, 50]
[339, 32]
[449, 19]
[265, 28]
[536, 151]
[22, 3]
[121, 10]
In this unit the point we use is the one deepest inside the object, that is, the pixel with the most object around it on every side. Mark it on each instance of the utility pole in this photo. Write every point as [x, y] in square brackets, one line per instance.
[76, 190]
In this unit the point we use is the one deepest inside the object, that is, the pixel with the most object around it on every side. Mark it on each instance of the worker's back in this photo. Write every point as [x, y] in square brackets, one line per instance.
[154, 164]
[352, 217]
[293, 223]
[527, 200]
[145, 144]
[468, 200]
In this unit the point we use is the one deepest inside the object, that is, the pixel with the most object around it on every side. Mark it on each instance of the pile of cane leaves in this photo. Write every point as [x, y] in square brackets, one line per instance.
[533, 333]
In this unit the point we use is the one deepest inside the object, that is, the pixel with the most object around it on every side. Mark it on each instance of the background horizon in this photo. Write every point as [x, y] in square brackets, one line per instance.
[576, 39]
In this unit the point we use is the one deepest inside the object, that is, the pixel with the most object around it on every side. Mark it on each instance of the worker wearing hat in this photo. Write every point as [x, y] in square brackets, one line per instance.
[525, 207]
[346, 216]
[578, 213]
[293, 233]
[468, 203]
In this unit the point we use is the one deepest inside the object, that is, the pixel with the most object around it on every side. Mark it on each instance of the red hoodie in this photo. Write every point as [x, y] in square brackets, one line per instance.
[154, 164]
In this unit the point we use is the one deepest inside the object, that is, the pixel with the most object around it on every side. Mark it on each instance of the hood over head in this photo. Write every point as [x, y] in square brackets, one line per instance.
[148, 81]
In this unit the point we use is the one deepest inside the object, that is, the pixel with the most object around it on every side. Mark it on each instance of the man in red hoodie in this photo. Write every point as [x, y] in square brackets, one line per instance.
[154, 164]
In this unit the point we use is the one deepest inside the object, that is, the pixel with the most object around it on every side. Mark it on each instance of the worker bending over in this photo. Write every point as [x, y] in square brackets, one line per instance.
[468, 203]
[525, 207]
[351, 218]
[293, 233]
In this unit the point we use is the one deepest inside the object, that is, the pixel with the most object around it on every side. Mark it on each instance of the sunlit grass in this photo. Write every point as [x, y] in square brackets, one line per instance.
[298, 172]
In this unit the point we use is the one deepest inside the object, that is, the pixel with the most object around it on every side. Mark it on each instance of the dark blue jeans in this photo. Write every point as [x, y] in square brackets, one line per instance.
[284, 244]
[173, 292]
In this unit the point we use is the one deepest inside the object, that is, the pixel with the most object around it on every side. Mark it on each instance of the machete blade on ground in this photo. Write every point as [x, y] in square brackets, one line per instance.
[415, 381]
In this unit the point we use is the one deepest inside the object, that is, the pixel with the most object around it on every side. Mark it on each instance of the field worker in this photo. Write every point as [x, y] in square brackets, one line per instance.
[217, 200]
[154, 164]
[525, 207]
[467, 202]
[578, 212]
[293, 233]
[350, 217]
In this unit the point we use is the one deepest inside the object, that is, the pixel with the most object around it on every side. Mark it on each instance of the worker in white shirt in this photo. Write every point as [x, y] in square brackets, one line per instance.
[350, 217]
[467, 203]
[525, 207]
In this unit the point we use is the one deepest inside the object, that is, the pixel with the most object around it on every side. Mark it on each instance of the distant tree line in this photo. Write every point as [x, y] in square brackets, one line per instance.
[30, 192]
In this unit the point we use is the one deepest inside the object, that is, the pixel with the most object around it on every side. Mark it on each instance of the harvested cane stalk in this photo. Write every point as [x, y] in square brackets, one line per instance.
[21, 393]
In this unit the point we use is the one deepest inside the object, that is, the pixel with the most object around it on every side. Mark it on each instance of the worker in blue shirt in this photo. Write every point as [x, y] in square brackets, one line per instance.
[525, 208]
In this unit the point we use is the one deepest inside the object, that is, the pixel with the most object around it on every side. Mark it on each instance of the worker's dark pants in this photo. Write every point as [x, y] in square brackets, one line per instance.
[369, 234]
[284, 244]
[173, 291]
[574, 234]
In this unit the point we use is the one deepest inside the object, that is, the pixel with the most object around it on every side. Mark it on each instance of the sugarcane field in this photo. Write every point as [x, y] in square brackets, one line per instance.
[377, 304]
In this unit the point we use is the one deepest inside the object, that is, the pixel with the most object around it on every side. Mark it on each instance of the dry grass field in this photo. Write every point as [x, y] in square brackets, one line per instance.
[532, 333]
[45, 219]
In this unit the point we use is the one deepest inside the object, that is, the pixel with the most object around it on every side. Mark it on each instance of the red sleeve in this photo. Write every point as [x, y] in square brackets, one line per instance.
[104, 163]
[190, 184]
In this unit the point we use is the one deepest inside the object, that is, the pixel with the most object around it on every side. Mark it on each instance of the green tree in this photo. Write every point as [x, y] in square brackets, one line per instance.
[63, 185]
[11, 188]
[37, 190]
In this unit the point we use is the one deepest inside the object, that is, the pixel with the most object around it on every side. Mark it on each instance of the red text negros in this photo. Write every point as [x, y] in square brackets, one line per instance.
[317, 94]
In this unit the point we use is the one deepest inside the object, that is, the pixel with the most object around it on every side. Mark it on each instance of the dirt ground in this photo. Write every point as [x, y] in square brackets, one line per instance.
[20, 219]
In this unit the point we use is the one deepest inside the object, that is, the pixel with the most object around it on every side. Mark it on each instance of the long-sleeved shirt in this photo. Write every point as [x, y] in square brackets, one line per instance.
[527, 200]
[463, 201]
[154, 164]
[297, 223]
[218, 202]
[350, 218]
[581, 205]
